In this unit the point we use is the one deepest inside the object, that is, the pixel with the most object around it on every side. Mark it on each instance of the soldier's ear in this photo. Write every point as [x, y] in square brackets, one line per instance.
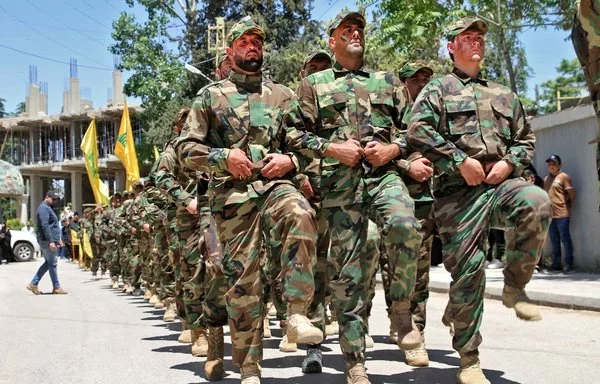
[229, 52]
[450, 47]
[302, 74]
[331, 43]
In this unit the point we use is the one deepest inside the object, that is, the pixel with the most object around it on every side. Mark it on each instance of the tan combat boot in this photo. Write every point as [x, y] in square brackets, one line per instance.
[357, 374]
[299, 328]
[153, 299]
[470, 371]
[408, 335]
[369, 343]
[517, 298]
[159, 304]
[115, 282]
[250, 374]
[266, 325]
[186, 335]
[129, 290]
[199, 342]
[285, 345]
[171, 311]
[393, 332]
[148, 294]
[213, 368]
[125, 287]
[417, 357]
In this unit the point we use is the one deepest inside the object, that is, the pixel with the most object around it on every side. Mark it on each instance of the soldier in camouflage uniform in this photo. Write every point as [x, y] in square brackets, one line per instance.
[477, 134]
[235, 131]
[417, 171]
[586, 40]
[126, 238]
[98, 244]
[349, 115]
[112, 250]
[180, 184]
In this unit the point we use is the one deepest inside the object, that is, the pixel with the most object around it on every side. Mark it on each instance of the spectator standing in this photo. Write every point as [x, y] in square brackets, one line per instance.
[5, 248]
[562, 195]
[66, 238]
[48, 234]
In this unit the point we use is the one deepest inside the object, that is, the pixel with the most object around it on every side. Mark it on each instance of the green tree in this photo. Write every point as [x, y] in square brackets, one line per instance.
[20, 108]
[417, 28]
[2, 108]
[570, 82]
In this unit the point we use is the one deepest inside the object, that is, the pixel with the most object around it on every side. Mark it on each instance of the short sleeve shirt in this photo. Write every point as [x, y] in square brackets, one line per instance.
[557, 187]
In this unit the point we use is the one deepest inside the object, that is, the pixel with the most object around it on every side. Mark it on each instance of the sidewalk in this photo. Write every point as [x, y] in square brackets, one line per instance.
[573, 291]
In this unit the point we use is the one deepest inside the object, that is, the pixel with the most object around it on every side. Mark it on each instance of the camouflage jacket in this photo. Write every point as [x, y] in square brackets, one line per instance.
[176, 182]
[110, 233]
[243, 112]
[99, 227]
[419, 192]
[456, 117]
[337, 105]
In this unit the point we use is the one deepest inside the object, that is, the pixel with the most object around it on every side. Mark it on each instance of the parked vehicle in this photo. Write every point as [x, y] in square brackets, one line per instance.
[24, 245]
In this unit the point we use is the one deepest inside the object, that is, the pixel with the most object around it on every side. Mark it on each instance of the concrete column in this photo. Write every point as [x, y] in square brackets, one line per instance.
[76, 188]
[120, 181]
[36, 195]
[74, 96]
[22, 208]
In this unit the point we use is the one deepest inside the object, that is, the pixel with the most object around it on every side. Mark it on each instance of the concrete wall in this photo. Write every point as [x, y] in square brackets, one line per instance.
[567, 134]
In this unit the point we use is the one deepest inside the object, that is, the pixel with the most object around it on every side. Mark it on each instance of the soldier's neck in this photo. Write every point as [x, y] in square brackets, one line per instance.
[350, 63]
[470, 69]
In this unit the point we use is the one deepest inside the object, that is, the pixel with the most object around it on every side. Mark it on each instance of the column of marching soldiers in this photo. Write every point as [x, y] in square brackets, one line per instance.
[265, 197]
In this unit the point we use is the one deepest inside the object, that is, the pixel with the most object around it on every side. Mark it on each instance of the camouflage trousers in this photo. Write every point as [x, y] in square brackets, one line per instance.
[463, 218]
[282, 215]
[214, 309]
[133, 259]
[162, 270]
[124, 259]
[188, 235]
[351, 268]
[112, 257]
[175, 256]
[100, 259]
[146, 244]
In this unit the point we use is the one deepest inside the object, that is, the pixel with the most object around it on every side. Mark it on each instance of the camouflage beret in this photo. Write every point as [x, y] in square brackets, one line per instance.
[463, 24]
[317, 55]
[411, 68]
[343, 16]
[242, 27]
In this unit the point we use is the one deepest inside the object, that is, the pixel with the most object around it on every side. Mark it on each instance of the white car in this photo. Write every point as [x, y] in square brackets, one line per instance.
[24, 245]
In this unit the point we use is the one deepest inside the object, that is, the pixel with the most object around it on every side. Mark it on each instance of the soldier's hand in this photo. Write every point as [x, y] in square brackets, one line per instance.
[306, 188]
[348, 153]
[277, 165]
[238, 164]
[60, 243]
[146, 227]
[379, 154]
[499, 172]
[472, 171]
[193, 206]
[420, 169]
[133, 230]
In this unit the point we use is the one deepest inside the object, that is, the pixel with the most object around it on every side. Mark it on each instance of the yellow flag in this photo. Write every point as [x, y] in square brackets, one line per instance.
[87, 246]
[90, 155]
[125, 150]
[156, 154]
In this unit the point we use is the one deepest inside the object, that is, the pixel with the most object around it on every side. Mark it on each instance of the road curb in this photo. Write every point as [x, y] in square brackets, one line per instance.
[540, 298]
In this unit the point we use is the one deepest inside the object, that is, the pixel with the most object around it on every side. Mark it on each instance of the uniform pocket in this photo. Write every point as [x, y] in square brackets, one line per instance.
[382, 105]
[503, 116]
[461, 116]
[332, 110]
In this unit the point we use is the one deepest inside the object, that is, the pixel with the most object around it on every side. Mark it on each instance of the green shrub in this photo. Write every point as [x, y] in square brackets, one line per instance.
[14, 224]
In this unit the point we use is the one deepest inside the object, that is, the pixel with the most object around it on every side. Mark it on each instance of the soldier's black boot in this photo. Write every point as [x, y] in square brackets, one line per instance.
[313, 362]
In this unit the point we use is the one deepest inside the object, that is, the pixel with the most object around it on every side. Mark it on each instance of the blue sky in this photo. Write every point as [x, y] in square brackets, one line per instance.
[61, 29]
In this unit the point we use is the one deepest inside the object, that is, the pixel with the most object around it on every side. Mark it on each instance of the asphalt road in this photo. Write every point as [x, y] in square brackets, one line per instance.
[97, 335]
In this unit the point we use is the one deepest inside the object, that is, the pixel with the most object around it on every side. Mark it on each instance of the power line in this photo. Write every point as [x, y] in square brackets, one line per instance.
[68, 26]
[86, 15]
[328, 9]
[48, 37]
[53, 60]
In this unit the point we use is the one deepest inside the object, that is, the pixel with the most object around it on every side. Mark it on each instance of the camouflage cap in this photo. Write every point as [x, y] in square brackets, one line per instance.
[242, 27]
[343, 16]
[463, 24]
[317, 55]
[411, 68]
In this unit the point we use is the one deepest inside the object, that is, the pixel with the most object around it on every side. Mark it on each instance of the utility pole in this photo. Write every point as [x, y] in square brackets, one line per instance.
[216, 37]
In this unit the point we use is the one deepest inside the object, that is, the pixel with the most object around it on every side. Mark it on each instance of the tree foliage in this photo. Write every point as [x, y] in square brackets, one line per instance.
[570, 82]
[2, 107]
